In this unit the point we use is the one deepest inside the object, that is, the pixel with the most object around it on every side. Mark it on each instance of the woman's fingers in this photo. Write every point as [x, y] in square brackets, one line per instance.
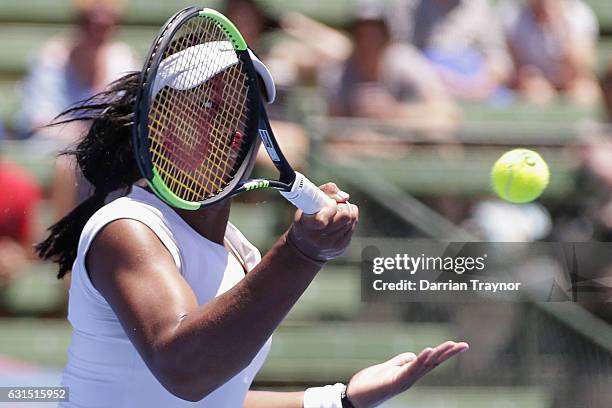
[442, 353]
[402, 359]
[434, 357]
[321, 220]
[459, 348]
[428, 359]
[353, 211]
[411, 371]
[332, 190]
[344, 219]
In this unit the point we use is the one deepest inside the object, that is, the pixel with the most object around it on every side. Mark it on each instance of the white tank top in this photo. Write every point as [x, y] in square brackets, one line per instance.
[104, 369]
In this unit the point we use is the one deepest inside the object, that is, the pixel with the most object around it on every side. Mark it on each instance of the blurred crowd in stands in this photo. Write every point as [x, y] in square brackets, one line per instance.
[412, 63]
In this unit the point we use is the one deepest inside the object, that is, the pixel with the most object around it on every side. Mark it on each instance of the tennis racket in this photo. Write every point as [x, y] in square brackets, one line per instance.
[200, 117]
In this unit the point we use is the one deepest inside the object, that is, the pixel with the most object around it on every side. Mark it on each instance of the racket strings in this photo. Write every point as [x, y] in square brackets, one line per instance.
[195, 135]
[221, 91]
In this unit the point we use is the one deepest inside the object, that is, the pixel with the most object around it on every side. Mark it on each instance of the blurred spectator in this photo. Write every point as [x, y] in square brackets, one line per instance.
[590, 215]
[606, 90]
[69, 70]
[599, 154]
[2, 131]
[309, 48]
[66, 71]
[553, 43]
[18, 219]
[253, 23]
[295, 58]
[250, 19]
[382, 80]
[462, 39]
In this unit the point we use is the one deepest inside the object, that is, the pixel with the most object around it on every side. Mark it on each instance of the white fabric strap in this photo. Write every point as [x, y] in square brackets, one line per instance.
[324, 397]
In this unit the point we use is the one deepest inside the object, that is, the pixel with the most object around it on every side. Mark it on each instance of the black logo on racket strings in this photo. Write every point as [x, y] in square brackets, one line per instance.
[265, 137]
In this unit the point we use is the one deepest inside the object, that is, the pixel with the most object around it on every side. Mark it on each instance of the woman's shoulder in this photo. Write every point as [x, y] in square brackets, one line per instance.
[125, 206]
[133, 206]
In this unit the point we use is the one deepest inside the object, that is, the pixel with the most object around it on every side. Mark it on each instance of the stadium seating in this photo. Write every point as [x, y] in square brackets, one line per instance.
[36, 292]
[326, 329]
[26, 24]
[146, 12]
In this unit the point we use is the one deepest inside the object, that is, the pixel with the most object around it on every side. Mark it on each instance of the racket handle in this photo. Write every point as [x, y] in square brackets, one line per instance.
[305, 195]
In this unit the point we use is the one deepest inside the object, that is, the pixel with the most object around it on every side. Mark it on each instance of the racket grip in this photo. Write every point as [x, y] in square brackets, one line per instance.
[305, 195]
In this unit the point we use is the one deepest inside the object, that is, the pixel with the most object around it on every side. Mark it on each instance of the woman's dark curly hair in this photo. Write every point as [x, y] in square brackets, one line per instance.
[105, 157]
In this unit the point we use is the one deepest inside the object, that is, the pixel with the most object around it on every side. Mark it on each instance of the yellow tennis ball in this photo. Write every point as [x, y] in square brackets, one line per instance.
[520, 176]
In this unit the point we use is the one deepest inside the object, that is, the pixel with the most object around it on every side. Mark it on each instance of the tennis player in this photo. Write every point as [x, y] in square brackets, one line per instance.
[174, 308]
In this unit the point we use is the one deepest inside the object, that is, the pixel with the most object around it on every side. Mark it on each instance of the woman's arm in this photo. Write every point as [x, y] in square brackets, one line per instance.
[193, 349]
[269, 399]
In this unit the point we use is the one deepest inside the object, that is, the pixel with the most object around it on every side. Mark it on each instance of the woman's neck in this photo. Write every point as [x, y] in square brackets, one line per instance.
[210, 222]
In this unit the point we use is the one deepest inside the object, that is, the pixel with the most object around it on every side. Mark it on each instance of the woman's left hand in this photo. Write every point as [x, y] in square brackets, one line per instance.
[376, 384]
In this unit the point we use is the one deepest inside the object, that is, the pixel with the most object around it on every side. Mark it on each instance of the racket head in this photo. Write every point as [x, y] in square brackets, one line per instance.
[196, 115]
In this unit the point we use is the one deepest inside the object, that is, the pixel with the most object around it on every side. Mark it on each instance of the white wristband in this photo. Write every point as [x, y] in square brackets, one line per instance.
[324, 397]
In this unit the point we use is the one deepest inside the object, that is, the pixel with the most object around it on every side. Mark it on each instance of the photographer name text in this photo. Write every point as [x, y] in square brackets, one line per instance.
[473, 285]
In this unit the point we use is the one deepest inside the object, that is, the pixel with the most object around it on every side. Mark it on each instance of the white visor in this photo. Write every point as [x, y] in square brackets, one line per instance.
[188, 68]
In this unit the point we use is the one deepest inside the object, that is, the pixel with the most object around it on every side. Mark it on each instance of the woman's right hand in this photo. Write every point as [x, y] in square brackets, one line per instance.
[325, 235]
